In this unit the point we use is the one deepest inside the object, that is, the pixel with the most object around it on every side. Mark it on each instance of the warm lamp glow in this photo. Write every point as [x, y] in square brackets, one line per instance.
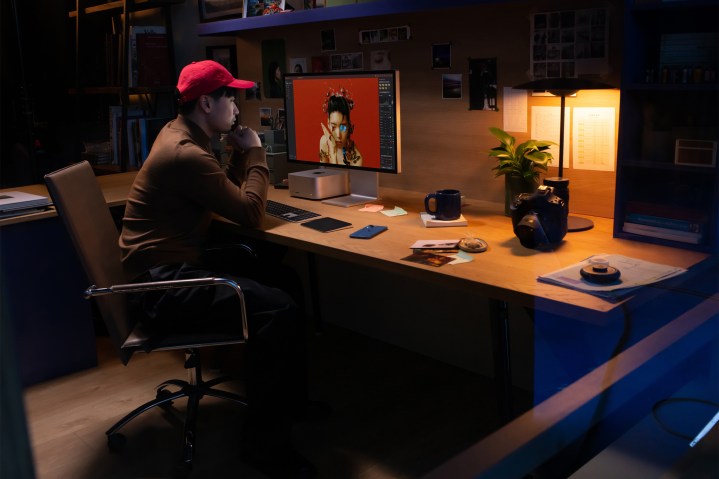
[562, 87]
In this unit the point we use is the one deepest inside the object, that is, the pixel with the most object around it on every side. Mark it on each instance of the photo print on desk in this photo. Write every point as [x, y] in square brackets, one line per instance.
[430, 259]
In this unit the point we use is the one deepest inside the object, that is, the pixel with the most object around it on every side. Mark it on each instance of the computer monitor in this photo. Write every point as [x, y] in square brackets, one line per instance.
[345, 119]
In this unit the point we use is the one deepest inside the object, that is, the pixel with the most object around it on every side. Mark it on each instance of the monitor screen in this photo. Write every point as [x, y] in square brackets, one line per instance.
[344, 119]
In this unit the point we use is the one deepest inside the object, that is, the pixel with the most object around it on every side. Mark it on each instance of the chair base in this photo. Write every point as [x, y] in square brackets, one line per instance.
[194, 390]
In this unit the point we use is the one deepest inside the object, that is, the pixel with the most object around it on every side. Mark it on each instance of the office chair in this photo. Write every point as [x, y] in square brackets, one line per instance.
[81, 205]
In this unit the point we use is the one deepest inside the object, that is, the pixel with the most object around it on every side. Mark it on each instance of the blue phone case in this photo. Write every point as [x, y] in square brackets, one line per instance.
[368, 232]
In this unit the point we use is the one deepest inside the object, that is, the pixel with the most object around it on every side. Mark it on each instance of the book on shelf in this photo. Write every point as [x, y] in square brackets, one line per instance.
[663, 233]
[133, 112]
[153, 60]
[665, 222]
[667, 217]
[257, 8]
[113, 47]
[148, 128]
[132, 59]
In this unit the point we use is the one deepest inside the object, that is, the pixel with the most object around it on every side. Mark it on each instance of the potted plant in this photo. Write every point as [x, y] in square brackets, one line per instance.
[520, 164]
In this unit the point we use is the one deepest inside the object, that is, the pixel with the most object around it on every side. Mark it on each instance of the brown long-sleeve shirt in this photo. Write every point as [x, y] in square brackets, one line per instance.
[180, 185]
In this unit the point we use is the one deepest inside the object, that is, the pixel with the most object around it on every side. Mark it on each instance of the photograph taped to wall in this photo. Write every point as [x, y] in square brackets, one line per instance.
[347, 61]
[327, 38]
[225, 55]
[273, 64]
[452, 86]
[254, 92]
[265, 116]
[320, 63]
[391, 34]
[483, 84]
[569, 43]
[441, 56]
[380, 60]
[297, 65]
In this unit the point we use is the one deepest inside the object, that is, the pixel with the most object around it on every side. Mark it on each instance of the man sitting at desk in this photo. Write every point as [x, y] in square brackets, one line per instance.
[167, 218]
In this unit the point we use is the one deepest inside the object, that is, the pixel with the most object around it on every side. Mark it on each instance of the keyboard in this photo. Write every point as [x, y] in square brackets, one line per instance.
[288, 213]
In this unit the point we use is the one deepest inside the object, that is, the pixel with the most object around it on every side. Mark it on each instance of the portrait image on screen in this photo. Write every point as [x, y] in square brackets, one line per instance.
[344, 120]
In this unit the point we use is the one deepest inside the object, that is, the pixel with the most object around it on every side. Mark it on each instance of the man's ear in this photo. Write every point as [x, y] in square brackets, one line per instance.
[204, 103]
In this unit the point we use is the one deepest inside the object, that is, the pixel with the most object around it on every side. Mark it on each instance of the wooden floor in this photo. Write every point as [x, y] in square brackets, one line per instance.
[396, 415]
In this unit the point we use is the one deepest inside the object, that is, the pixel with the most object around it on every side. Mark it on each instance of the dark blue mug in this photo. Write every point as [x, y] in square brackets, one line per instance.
[447, 204]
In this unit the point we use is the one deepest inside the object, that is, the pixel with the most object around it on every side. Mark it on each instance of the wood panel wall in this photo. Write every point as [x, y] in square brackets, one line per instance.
[444, 144]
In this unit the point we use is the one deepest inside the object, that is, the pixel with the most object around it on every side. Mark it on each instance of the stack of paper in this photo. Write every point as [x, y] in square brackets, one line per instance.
[634, 274]
[13, 203]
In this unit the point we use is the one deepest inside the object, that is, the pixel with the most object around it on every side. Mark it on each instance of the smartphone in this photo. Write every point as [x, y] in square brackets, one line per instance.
[369, 231]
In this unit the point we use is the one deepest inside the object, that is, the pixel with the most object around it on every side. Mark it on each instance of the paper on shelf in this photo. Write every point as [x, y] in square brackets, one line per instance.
[634, 274]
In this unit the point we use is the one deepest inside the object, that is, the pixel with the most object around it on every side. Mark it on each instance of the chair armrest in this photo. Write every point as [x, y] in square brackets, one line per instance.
[174, 284]
[234, 247]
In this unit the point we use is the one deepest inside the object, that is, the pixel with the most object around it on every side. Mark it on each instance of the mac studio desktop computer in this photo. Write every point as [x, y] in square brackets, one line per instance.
[359, 112]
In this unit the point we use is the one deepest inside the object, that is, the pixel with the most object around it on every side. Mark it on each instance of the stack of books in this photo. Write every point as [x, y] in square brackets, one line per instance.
[669, 223]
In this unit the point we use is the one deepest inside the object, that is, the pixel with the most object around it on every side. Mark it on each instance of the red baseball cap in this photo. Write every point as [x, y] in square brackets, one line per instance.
[206, 76]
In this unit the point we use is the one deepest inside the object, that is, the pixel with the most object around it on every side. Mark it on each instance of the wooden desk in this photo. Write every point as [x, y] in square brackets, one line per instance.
[506, 272]
[41, 285]
[114, 187]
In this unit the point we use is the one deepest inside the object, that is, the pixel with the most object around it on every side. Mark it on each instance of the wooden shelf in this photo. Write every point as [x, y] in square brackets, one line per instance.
[116, 90]
[654, 115]
[327, 14]
[131, 6]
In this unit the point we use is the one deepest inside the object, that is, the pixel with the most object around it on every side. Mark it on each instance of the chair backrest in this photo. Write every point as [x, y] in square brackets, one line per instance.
[81, 205]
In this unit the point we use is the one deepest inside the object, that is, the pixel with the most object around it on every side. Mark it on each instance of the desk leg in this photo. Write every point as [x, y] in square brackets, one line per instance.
[314, 291]
[499, 318]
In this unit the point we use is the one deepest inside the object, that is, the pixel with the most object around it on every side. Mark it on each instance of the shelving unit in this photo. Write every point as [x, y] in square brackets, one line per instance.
[101, 77]
[669, 93]
[368, 8]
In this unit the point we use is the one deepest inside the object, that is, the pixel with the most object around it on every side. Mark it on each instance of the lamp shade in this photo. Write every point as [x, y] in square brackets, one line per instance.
[564, 86]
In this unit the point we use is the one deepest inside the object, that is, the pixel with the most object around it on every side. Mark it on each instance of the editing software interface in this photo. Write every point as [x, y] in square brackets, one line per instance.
[344, 119]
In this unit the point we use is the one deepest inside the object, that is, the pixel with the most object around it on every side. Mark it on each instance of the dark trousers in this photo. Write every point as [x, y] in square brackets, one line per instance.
[275, 355]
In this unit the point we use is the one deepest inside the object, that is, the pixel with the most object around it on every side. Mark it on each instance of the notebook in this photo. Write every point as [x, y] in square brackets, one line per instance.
[17, 203]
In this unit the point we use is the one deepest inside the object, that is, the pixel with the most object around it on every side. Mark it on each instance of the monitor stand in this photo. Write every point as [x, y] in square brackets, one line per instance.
[364, 188]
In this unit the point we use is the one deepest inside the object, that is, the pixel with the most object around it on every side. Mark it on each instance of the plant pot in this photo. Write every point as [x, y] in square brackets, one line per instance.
[514, 185]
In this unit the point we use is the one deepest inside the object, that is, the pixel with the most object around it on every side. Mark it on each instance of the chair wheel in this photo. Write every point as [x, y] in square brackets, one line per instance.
[116, 442]
[163, 393]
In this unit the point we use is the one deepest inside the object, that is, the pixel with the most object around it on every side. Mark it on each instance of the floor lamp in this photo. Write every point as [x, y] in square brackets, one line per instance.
[562, 87]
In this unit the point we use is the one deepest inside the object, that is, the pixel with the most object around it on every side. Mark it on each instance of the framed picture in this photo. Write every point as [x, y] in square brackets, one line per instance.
[213, 9]
[442, 56]
[226, 55]
[328, 40]
[452, 86]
